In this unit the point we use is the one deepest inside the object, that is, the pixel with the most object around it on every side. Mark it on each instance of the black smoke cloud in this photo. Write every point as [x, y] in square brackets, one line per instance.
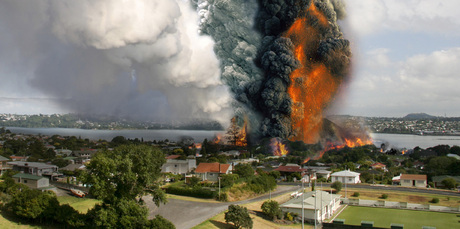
[143, 59]
[259, 78]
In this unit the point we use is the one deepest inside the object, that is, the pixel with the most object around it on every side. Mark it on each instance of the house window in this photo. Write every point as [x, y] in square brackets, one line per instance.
[25, 181]
[349, 179]
[175, 166]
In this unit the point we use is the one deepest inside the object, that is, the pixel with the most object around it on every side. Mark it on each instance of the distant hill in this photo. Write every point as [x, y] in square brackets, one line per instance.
[419, 116]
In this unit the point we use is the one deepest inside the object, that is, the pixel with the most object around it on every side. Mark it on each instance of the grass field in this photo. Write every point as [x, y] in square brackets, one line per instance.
[384, 217]
[401, 196]
[80, 204]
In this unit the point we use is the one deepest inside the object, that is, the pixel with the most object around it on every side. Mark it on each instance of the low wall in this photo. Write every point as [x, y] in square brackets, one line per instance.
[399, 205]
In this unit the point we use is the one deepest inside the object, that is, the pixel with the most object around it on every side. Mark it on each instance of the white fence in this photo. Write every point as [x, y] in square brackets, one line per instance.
[399, 205]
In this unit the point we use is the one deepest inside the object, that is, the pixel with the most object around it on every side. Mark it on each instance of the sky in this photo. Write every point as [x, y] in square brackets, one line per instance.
[145, 59]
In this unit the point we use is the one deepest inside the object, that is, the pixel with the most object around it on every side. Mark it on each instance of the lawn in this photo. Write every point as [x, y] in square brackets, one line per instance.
[401, 196]
[80, 204]
[384, 217]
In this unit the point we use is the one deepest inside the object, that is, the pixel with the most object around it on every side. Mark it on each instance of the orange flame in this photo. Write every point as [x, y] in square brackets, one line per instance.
[403, 152]
[242, 136]
[217, 139]
[312, 85]
[351, 143]
[278, 148]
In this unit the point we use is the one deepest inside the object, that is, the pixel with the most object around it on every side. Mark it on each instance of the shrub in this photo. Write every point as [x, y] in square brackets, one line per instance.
[289, 216]
[222, 197]
[239, 216]
[384, 196]
[435, 200]
[337, 185]
[261, 184]
[272, 209]
[355, 194]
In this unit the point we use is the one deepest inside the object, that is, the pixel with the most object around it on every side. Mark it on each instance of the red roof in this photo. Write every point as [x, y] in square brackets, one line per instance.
[212, 168]
[172, 156]
[378, 165]
[290, 169]
[413, 177]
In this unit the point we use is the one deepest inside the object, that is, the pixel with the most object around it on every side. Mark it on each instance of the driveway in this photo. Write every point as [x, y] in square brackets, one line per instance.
[187, 214]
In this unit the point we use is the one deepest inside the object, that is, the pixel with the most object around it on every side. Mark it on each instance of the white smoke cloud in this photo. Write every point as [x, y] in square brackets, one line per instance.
[84, 52]
[420, 83]
[368, 17]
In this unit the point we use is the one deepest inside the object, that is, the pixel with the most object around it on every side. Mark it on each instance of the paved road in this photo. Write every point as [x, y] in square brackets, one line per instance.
[187, 214]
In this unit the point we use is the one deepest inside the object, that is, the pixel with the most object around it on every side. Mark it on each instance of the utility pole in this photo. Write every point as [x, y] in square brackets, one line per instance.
[316, 214]
[303, 214]
[321, 199]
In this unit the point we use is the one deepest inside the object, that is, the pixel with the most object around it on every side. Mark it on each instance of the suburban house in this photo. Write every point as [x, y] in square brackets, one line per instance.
[324, 203]
[289, 169]
[73, 167]
[85, 153]
[63, 152]
[346, 176]
[18, 158]
[437, 180]
[379, 166]
[3, 165]
[176, 166]
[34, 168]
[31, 181]
[211, 171]
[320, 171]
[413, 180]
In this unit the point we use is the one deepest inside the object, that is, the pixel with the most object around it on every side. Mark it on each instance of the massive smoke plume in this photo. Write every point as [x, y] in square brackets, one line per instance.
[140, 58]
[299, 54]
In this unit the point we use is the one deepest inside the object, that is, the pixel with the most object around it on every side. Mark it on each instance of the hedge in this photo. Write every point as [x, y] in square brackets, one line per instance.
[193, 192]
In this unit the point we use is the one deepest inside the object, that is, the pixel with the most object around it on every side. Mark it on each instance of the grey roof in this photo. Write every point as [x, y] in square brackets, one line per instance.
[73, 167]
[4, 158]
[322, 198]
[441, 178]
[28, 176]
[345, 173]
[37, 165]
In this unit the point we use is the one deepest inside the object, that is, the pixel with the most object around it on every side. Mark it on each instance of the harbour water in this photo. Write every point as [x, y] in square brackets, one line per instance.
[410, 141]
[147, 135]
[393, 140]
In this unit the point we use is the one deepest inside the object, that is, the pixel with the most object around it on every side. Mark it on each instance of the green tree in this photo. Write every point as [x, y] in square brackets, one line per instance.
[244, 170]
[123, 213]
[127, 172]
[227, 180]
[34, 204]
[272, 209]
[160, 223]
[449, 183]
[337, 185]
[239, 216]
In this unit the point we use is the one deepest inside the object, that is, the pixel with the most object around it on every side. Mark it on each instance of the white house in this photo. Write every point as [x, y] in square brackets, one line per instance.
[176, 166]
[346, 176]
[324, 203]
[413, 180]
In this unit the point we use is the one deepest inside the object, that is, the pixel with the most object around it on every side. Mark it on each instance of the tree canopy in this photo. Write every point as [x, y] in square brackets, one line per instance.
[239, 216]
[127, 172]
